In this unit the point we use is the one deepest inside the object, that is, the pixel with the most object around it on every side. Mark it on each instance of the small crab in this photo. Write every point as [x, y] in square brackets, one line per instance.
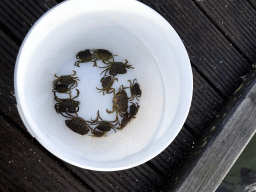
[67, 80]
[126, 119]
[115, 68]
[134, 110]
[107, 83]
[103, 126]
[84, 57]
[135, 90]
[61, 88]
[120, 102]
[78, 125]
[102, 54]
[66, 105]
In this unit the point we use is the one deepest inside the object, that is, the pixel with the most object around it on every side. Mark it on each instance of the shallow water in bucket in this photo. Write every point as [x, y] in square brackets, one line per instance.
[90, 99]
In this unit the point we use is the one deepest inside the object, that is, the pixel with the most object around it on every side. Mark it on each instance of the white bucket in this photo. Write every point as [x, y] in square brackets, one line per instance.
[134, 32]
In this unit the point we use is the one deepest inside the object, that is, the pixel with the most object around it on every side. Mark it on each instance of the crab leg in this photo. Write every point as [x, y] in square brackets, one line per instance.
[106, 71]
[109, 111]
[78, 92]
[106, 66]
[74, 73]
[98, 113]
[69, 115]
[77, 63]
[112, 91]
[55, 97]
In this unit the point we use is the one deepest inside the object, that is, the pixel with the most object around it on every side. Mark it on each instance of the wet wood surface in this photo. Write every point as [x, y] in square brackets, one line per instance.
[220, 39]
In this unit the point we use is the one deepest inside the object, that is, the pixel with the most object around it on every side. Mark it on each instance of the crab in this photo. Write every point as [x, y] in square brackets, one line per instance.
[103, 126]
[135, 90]
[134, 110]
[126, 119]
[78, 125]
[66, 105]
[66, 80]
[84, 57]
[102, 54]
[61, 88]
[120, 102]
[115, 68]
[107, 83]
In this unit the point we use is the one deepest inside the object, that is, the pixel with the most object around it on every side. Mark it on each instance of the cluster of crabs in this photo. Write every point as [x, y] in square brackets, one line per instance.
[69, 107]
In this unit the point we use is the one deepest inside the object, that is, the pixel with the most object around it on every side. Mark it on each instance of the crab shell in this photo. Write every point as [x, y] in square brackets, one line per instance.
[98, 133]
[120, 101]
[85, 56]
[135, 90]
[60, 88]
[104, 126]
[78, 125]
[67, 80]
[117, 68]
[134, 110]
[104, 54]
[124, 121]
[107, 82]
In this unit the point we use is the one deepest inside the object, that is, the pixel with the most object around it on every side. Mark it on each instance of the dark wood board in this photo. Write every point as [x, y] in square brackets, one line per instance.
[238, 27]
[27, 168]
[253, 3]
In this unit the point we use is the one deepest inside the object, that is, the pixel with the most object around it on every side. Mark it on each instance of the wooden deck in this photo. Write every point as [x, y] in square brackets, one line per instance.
[220, 37]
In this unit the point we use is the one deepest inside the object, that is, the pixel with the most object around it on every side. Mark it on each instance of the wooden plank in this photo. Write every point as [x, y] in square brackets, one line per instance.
[222, 144]
[46, 4]
[253, 3]
[206, 102]
[210, 52]
[238, 26]
[22, 162]
[140, 178]
[20, 11]
[173, 156]
[27, 4]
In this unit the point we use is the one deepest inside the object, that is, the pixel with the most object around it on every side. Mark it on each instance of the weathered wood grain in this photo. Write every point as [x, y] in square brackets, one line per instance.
[206, 102]
[236, 20]
[173, 156]
[222, 144]
[253, 3]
